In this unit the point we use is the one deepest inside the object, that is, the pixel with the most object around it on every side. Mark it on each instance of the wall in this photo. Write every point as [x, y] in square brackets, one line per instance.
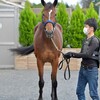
[29, 62]
[8, 34]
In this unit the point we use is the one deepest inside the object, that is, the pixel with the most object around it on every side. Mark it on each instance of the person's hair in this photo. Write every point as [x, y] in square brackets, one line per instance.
[92, 23]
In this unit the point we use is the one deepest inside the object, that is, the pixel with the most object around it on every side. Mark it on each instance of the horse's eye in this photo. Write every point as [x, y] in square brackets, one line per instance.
[55, 14]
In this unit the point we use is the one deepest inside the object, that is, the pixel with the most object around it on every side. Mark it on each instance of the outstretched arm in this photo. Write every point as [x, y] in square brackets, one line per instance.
[94, 45]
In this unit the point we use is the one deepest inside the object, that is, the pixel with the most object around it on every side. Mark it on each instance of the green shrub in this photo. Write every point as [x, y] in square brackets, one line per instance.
[26, 25]
[63, 20]
[39, 17]
[91, 13]
[76, 28]
[97, 33]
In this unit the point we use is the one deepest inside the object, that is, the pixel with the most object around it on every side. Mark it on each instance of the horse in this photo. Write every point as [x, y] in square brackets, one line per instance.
[46, 46]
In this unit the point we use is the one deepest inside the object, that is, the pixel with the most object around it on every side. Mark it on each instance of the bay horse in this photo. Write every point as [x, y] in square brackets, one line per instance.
[47, 38]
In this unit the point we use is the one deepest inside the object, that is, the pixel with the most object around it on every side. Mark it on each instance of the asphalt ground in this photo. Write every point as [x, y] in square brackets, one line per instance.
[23, 85]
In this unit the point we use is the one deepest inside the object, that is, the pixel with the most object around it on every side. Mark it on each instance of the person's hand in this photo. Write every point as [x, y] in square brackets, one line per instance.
[68, 55]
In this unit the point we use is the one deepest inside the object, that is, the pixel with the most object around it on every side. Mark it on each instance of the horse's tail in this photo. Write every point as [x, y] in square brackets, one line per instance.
[23, 50]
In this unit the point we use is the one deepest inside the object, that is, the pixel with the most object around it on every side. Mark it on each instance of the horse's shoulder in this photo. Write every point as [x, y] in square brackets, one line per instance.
[36, 27]
[59, 26]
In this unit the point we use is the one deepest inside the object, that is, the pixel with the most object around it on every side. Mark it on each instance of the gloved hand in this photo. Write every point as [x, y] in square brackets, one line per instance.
[68, 55]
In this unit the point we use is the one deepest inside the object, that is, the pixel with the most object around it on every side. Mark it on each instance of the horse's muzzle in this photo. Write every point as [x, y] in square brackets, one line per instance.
[49, 34]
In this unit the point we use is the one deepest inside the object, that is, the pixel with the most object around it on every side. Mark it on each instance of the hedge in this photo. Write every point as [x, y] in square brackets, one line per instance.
[26, 25]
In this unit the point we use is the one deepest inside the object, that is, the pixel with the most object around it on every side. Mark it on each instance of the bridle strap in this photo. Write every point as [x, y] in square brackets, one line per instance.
[49, 21]
[56, 46]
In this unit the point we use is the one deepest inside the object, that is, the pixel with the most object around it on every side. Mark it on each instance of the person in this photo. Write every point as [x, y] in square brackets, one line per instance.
[88, 72]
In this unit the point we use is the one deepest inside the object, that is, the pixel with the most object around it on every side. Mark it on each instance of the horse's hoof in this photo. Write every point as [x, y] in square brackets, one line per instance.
[40, 98]
[54, 99]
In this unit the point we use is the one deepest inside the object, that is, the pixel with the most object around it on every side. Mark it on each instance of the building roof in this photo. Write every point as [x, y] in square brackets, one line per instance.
[11, 3]
[17, 1]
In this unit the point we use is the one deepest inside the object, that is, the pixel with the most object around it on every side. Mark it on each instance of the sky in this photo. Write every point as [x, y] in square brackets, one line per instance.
[69, 2]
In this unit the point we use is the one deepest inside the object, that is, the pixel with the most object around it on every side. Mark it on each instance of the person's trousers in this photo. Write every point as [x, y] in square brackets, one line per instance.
[90, 76]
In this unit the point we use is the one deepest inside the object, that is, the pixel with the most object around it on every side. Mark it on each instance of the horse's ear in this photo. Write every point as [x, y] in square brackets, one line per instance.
[43, 2]
[55, 2]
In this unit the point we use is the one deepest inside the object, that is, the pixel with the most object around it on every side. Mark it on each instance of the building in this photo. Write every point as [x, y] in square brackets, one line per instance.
[21, 2]
[9, 20]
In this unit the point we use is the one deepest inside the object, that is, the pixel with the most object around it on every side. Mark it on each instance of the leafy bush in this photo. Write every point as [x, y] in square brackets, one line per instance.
[39, 17]
[98, 29]
[26, 25]
[91, 13]
[76, 28]
[63, 20]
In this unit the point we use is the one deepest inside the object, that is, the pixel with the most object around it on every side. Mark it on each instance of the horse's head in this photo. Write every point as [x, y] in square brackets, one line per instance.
[48, 17]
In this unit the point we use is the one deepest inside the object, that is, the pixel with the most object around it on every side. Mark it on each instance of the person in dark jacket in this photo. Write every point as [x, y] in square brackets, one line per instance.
[89, 65]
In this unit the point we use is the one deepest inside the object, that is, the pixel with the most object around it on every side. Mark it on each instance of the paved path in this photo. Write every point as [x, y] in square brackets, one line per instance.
[23, 85]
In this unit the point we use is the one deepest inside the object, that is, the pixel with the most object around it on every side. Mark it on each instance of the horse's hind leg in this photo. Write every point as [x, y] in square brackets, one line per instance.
[54, 80]
[41, 80]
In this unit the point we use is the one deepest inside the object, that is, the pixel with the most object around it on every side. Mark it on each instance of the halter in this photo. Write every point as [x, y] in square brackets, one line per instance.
[49, 20]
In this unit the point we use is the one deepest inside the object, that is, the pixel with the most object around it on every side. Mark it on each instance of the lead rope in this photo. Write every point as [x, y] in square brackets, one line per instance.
[56, 46]
[61, 62]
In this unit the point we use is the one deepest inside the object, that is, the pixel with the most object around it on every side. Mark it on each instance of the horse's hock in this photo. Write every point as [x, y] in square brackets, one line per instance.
[29, 62]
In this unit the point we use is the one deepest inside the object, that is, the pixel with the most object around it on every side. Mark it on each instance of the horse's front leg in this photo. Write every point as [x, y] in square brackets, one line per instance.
[54, 80]
[40, 65]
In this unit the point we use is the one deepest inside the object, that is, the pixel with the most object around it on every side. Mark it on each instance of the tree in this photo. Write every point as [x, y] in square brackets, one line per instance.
[39, 17]
[97, 33]
[91, 12]
[26, 25]
[63, 20]
[76, 27]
